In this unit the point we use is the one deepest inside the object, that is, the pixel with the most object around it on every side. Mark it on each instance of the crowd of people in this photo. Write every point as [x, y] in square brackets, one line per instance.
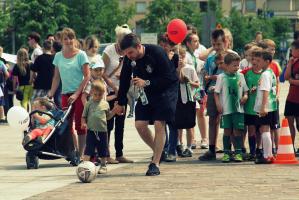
[171, 86]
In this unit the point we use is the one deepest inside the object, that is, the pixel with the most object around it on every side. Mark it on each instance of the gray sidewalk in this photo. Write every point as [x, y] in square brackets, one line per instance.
[185, 179]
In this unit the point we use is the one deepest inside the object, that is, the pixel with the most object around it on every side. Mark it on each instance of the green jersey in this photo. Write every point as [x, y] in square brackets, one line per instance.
[252, 80]
[231, 88]
[268, 83]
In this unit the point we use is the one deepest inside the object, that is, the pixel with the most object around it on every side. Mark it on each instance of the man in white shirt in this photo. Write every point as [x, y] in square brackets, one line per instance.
[33, 41]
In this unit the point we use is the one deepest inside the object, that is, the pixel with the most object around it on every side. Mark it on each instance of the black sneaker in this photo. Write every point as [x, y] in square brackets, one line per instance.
[163, 156]
[207, 156]
[153, 170]
[187, 153]
[193, 146]
[180, 149]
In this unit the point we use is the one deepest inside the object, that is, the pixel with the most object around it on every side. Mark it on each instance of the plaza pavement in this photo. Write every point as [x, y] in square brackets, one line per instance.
[186, 179]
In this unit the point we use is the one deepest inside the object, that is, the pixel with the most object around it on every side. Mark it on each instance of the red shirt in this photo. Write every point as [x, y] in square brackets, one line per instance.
[293, 95]
[275, 68]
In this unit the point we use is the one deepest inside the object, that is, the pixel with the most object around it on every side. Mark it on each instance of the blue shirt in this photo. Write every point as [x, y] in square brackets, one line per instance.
[70, 70]
[210, 66]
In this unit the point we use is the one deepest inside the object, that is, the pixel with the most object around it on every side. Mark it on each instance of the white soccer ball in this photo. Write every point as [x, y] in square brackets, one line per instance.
[86, 171]
[18, 118]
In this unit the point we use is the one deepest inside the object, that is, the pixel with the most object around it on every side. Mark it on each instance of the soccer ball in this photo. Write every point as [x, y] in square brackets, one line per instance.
[86, 171]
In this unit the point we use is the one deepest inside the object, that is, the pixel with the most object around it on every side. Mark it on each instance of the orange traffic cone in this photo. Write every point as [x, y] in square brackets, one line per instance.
[285, 152]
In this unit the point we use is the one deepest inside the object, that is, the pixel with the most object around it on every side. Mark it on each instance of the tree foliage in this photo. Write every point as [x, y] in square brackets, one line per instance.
[160, 12]
[244, 27]
[102, 17]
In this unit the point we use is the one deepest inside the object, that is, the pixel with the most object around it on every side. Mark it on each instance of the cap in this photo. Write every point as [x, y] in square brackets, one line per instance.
[97, 65]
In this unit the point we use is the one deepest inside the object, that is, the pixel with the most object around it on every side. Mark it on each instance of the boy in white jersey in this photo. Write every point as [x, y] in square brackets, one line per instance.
[266, 105]
[230, 96]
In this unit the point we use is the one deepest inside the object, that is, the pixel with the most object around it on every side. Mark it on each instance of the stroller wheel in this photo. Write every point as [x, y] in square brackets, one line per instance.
[32, 161]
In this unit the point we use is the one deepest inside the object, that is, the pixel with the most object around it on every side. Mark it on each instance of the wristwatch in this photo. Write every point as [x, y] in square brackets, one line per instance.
[147, 83]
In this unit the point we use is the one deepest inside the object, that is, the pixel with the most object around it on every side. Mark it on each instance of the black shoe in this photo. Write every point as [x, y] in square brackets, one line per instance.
[208, 156]
[187, 153]
[163, 156]
[193, 146]
[180, 149]
[258, 158]
[153, 170]
[170, 158]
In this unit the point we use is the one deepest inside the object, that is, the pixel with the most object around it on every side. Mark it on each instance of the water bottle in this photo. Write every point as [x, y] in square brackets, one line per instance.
[143, 97]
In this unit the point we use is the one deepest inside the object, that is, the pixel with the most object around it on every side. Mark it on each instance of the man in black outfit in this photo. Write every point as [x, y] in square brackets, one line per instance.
[156, 81]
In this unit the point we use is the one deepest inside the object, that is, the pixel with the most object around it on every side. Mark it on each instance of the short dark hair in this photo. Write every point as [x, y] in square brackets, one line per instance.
[35, 36]
[295, 44]
[50, 35]
[258, 33]
[218, 33]
[296, 35]
[57, 46]
[47, 45]
[231, 57]
[130, 40]
[265, 55]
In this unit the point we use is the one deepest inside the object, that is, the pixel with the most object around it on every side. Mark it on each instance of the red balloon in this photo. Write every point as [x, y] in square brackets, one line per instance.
[176, 30]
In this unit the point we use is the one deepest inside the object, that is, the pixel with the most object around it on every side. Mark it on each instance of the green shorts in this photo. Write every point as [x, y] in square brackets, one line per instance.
[233, 121]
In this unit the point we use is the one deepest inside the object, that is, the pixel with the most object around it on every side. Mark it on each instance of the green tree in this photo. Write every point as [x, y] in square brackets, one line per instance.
[162, 11]
[98, 17]
[41, 16]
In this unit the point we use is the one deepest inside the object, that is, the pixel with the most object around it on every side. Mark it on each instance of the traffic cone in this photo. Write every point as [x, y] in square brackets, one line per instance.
[285, 152]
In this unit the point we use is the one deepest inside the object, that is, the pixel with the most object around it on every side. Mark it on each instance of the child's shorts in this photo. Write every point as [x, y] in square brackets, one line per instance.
[250, 119]
[271, 119]
[233, 121]
[96, 139]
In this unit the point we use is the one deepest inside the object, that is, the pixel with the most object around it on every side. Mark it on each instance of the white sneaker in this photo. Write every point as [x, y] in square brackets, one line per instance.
[103, 169]
[204, 144]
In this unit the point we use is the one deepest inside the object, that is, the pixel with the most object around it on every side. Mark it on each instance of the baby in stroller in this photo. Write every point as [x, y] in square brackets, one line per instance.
[42, 123]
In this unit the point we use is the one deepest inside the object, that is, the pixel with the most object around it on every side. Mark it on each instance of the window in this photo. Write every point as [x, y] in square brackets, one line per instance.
[203, 6]
[250, 5]
[140, 7]
[237, 4]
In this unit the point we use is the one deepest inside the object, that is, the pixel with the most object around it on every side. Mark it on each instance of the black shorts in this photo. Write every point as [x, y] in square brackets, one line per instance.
[250, 119]
[291, 109]
[157, 112]
[96, 140]
[271, 119]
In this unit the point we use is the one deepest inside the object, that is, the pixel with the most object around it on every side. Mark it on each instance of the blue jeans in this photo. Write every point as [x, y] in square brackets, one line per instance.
[173, 138]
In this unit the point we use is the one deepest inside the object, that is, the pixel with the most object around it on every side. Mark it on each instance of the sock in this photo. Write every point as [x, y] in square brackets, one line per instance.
[267, 144]
[252, 144]
[212, 148]
[226, 144]
[238, 144]
[244, 150]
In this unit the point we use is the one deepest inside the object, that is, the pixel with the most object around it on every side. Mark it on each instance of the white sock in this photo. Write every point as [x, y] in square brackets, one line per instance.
[267, 144]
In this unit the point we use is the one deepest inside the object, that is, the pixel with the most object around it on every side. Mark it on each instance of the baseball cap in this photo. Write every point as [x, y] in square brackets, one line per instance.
[99, 64]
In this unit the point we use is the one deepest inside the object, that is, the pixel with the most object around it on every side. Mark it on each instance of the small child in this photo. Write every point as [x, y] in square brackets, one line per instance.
[43, 123]
[95, 115]
[186, 113]
[252, 76]
[266, 105]
[230, 96]
[246, 62]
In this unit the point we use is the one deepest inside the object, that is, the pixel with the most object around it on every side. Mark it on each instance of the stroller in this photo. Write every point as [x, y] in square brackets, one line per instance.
[57, 144]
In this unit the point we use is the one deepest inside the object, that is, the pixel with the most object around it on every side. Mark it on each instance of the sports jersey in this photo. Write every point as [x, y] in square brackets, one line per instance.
[267, 82]
[252, 80]
[231, 88]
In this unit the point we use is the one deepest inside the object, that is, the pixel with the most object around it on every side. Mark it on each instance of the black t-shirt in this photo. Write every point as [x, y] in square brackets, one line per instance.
[23, 79]
[45, 70]
[154, 66]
